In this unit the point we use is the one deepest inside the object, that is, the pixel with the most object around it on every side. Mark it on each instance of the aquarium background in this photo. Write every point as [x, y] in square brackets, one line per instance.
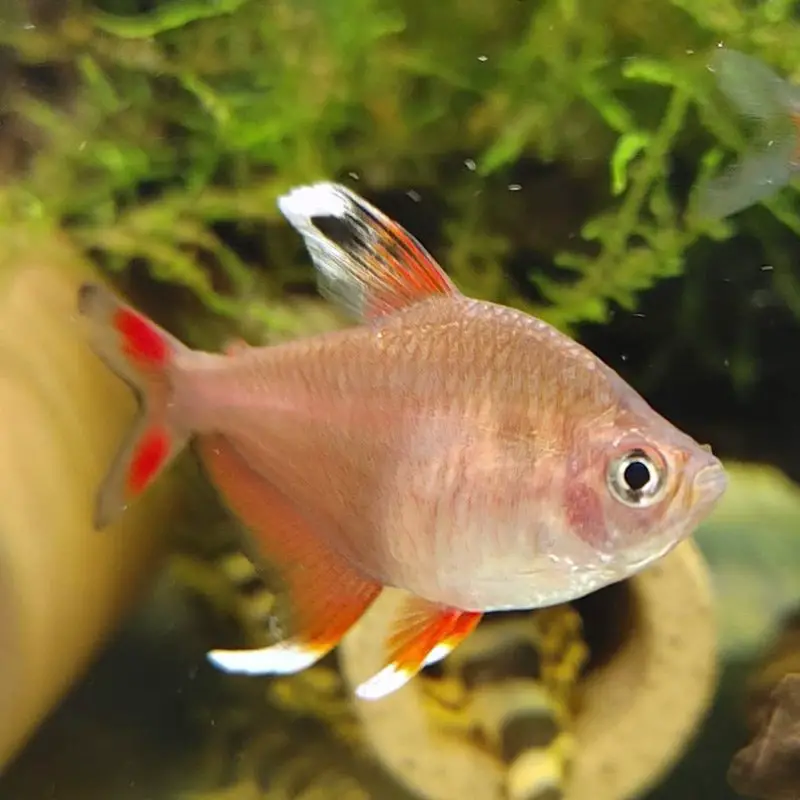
[548, 153]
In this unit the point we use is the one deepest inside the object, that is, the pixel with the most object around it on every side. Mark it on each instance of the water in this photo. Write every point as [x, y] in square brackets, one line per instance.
[548, 154]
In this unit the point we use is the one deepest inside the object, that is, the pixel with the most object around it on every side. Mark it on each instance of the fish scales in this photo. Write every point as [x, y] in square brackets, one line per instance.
[316, 406]
[461, 451]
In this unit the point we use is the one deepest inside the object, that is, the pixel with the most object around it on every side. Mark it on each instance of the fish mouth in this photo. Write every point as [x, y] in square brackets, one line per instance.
[710, 484]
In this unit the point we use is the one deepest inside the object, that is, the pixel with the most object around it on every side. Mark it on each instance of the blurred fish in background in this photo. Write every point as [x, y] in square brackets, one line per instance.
[772, 159]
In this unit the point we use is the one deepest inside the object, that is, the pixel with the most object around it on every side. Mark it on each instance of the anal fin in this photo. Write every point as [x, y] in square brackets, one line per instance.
[326, 593]
[423, 634]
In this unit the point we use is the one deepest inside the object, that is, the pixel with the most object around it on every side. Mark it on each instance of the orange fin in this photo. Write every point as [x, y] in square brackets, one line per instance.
[367, 264]
[769, 163]
[141, 354]
[327, 595]
[423, 634]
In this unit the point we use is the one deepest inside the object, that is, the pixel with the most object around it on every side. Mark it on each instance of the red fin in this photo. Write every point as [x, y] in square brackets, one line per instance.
[148, 457]
[139, 340]
[327, 595]
[140, 353]
[424, 633]
[366, 263]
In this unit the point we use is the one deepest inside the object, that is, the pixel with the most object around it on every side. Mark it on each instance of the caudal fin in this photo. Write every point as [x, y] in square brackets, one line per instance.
[143, 355]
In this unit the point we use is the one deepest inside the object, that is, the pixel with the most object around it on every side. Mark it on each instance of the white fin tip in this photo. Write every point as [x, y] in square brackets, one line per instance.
[280, 659]
[437, 654]
[314, 200]
[388, 680]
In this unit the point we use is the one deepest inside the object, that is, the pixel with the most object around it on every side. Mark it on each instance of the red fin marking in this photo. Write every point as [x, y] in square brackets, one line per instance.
[405, 274]
[424, 633]
[143, 355]
[376, 268]
[141, 340]
[147, 459]
[415, 267]
[327, 594]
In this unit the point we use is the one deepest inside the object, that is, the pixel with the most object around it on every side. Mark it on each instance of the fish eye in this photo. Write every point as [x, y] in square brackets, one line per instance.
[635, 479]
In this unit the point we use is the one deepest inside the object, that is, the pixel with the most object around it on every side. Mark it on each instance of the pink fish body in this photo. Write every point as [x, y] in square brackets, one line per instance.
[463, 451]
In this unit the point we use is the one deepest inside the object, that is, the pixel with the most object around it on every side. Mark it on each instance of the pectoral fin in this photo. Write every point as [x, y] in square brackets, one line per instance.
[423, 634]
[327, 595]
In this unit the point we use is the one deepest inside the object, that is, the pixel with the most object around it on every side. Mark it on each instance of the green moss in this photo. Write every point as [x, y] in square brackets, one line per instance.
[186, 120]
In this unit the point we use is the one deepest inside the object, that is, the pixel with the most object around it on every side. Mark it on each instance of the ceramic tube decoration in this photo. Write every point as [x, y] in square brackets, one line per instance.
[63, 585]
[637, 713]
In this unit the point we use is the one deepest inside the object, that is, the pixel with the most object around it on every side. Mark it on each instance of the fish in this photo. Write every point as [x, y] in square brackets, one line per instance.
[462, 451]
[772, 159]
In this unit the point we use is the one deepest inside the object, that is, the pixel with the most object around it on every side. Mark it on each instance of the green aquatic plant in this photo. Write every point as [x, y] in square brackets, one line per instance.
[538, 141]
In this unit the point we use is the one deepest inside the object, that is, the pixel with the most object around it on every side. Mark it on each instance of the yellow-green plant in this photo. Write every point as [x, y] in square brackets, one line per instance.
[537, 139]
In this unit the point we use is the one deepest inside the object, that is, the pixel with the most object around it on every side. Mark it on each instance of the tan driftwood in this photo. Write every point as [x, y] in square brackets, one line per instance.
[638, 711]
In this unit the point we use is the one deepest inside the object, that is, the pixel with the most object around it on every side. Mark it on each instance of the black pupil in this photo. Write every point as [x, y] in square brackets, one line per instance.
[636, 475]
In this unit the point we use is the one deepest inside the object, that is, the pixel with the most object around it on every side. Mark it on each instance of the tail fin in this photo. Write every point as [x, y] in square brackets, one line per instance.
[142, 354]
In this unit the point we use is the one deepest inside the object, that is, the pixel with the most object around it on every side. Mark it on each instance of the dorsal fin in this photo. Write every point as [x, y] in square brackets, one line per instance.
[366, 263]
